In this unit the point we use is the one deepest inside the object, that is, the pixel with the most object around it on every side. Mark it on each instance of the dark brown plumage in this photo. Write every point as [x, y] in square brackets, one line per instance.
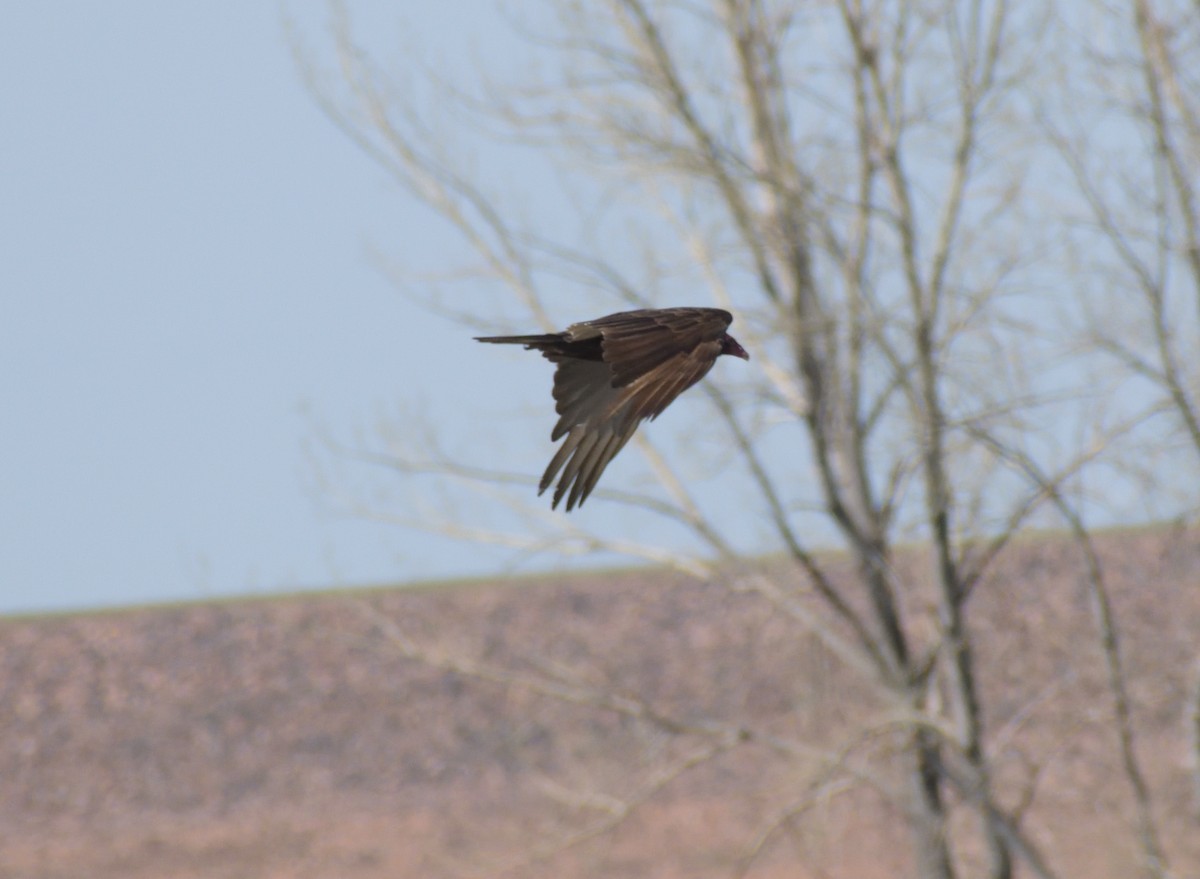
[615, 371]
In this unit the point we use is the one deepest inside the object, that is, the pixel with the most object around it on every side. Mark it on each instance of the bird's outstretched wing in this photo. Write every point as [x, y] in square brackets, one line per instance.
[635, 342]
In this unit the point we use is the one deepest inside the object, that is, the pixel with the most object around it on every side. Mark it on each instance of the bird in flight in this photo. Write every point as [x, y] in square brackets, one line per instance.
[615, 371]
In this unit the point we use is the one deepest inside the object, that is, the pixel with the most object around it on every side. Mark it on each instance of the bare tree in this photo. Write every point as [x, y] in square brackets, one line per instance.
[1134, 157]
[1132, 147]
[851, 179]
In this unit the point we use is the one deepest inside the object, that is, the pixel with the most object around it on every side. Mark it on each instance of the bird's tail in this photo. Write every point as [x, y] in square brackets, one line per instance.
[539, 343]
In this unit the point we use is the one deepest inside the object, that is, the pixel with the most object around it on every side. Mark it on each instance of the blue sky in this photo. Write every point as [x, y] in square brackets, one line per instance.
[184, 288]
[188, 299]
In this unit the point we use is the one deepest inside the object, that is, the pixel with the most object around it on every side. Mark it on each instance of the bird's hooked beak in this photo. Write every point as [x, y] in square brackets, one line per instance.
[729, 345]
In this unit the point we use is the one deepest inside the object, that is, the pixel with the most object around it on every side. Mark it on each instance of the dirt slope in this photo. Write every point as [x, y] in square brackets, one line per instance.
[292, 738]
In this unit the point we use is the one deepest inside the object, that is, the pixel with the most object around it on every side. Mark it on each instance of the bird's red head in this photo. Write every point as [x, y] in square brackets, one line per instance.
[729, 345]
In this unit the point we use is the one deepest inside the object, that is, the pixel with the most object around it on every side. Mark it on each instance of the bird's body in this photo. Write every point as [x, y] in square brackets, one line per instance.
[615, 371]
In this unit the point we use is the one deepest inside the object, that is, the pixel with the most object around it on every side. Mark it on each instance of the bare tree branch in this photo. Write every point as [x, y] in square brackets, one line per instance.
[851, 180]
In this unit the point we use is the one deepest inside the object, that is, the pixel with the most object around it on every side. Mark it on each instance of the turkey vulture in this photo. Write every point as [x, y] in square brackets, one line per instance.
[615, 371]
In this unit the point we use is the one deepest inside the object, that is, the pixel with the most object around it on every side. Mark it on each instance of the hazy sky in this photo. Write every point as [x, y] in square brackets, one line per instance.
[188, 299]
[185, 275]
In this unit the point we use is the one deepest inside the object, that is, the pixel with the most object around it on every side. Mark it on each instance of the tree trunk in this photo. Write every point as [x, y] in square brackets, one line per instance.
[929, 812]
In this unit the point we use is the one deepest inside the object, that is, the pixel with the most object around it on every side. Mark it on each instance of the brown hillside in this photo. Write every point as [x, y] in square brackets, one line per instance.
[292, 738]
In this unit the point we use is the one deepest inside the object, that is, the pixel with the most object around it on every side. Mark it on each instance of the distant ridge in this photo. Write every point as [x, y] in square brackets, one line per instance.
[289, 737]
